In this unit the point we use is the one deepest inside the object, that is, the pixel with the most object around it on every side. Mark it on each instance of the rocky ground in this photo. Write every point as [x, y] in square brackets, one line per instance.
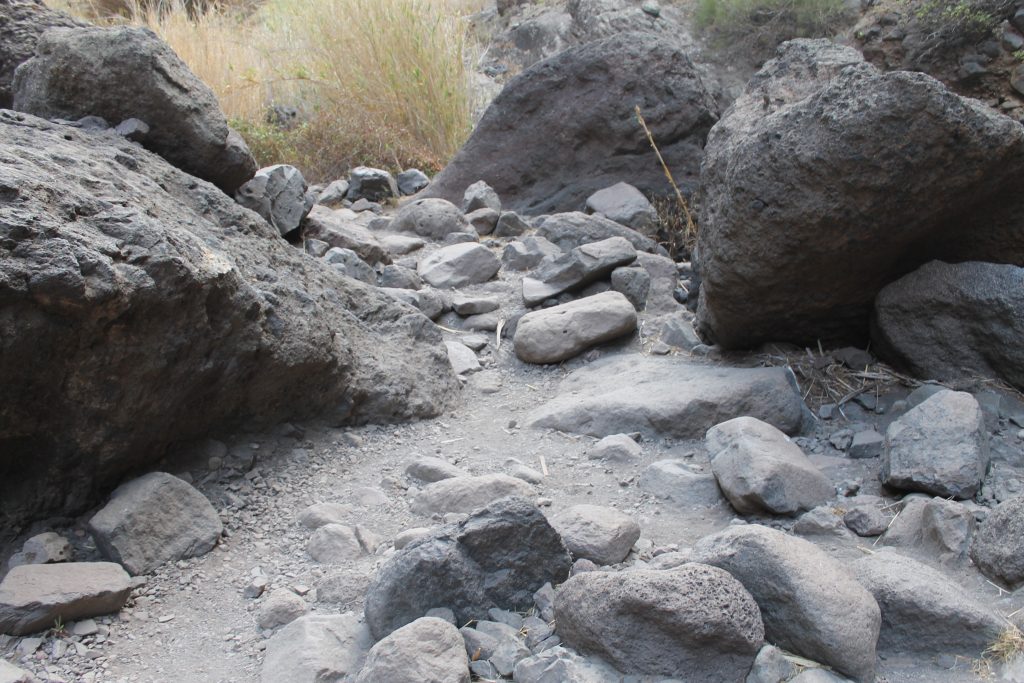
[198, 619]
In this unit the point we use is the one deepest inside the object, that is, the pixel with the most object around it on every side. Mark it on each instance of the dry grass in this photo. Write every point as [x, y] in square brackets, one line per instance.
[378, 82]
[1007, 647]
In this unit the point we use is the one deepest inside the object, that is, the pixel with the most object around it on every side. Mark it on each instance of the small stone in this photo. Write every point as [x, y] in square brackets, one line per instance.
[429, 469]
[411, 181]
[85, 627]
[615, 448]
[866, 444]
[461, 358]
[338, 543]
[601, 534]
[866, 520]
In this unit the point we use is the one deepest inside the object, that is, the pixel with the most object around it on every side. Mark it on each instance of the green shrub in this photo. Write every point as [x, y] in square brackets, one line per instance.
[758, 26]
[959, 22]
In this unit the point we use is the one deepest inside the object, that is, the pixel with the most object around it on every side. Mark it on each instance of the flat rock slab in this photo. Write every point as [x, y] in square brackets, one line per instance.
[154, 519]
[317, 648]
[33, 596]
[465, 494]
[668, 397]
[581, 266]
[458, 265]
[552, 335]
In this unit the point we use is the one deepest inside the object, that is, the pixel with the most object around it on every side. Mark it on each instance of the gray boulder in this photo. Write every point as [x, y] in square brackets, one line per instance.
[348, 263]
[458, 265]
[615, 448]
[411, 181]
[998, 547]
[933, 530]
[667, 397]
[838, 135]
[278, 193]
[950, 321]
[317, 648]
[810, 603]
[624, 204]
[333, 196]
[44, 548]
[559, 665]
[462, 358]
[480, 195]
[122, 73]
[574, 229]
[694, 621]
[371, 184]
[22, 22]
[676, 480]
[528, 252]
[939, 447]
[600, 534]
[510, 224]
[465, 494]
[552, 335]
[484, 221]
[428, 649]
[498, 557]
[155, 519]
[513, 150]
[581, 266]
[258, 331]
[340, 229]
[924, 611]
[760, 470]
[428, 469]
[280, 608]
[34, 596]
[431, 218]
[771, 666]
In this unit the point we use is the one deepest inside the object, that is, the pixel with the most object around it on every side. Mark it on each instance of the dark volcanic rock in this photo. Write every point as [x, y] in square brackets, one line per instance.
[21, 24]
[139, 307]
[954, 321]
[123, 73]
[828, 179]
[498, 557]
[535, 138]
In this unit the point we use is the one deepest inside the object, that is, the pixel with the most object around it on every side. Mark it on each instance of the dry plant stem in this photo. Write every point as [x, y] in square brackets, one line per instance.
[691, 229]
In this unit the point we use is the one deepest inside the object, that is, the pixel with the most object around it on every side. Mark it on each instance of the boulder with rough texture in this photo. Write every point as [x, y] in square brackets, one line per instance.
[624, 204]
[574, 229]
[694, 621]
[581, 266]
[154, 519]
[600, 534]
[458, 265]
[122, 266]
[934, 530]
[278, 193]
[760, 470]
[371, 184]
[22, 22]
[465, 494]
[340, 229]
[514, 151]
[950, 321]
[34, 596]
[498, 557]
[998, 547]
[317, 648]
[799, 226]
[923, 610]
[810, 603]
[668, 397]
[431, 218]
[939, 447]
[122, 73]
[428, 649]
[551, 335]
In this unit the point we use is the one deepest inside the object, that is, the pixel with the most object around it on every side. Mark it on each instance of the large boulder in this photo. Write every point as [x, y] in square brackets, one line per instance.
[155, 519]
[122, 73]
[938, 447]
[498, 557]
[139, 307]
[428, 649]
[810, 603]
[998, 547]
[800, 226]
[667, 397]
[551, 335]
[952, 321]
[923, 610]
[760, 470]
[694, 621]
[21, 24]
[534, 139]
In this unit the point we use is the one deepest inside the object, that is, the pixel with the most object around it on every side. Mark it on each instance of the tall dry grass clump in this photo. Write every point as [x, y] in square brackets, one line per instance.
[375, 82]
